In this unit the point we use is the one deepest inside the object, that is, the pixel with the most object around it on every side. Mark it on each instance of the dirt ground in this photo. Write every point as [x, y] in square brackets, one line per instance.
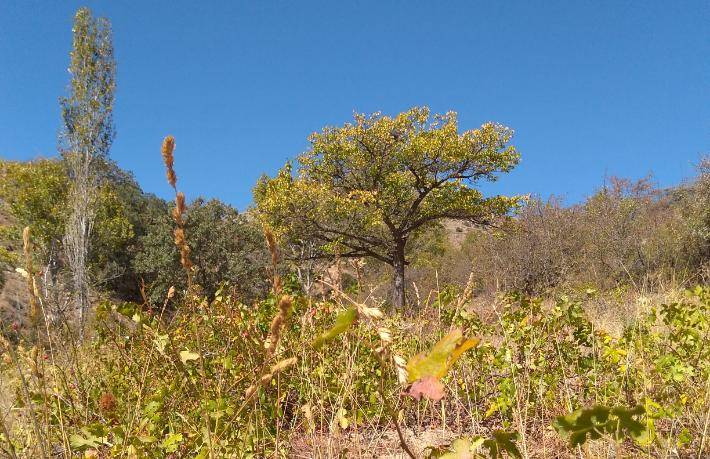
[366, 444]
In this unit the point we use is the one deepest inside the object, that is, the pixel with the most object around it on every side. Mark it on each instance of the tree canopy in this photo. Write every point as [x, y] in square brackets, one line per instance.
[365, 189]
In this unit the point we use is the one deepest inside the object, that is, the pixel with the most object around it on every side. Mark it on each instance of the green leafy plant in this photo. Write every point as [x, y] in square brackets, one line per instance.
[594, 423]
[497, 446]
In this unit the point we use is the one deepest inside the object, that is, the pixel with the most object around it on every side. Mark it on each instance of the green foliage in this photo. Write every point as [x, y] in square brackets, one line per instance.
[497, 444]
[226, 247]
[502, 442]
[35, 194]
[365, 189]
[92, 436]
[168, 376]
[593, 423]
[87, 111]
[124, 213]
[132, 237]
[112, 236]
[625, 235]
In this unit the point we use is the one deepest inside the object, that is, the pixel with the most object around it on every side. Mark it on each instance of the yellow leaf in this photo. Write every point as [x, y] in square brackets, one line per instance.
[441, 357]
[470, 343]
[186, 356]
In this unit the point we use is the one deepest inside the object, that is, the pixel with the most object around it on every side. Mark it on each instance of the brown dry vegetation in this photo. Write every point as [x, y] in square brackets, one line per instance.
[213, 376]
[599, 317]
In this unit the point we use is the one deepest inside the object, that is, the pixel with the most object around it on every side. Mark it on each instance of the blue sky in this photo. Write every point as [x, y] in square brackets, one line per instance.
[592, 88]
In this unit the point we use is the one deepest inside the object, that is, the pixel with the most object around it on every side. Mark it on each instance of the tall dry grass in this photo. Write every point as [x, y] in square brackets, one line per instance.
[219, 378]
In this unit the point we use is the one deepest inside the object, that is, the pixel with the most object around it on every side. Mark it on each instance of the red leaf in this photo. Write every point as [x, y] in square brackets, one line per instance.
[427, 387]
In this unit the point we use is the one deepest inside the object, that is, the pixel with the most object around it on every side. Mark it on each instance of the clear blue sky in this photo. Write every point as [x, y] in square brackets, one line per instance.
[592, 88]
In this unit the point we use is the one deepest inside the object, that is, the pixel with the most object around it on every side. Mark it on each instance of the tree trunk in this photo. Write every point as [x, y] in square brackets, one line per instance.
[77, 236]
[398, 299]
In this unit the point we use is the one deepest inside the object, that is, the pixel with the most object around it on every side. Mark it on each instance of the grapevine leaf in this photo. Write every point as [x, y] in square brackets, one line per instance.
[439, 360]
[597, 421]
[500, 442]
[344, 320]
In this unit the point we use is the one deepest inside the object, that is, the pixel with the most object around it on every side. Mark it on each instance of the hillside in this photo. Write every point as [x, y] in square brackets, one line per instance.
[14, 299]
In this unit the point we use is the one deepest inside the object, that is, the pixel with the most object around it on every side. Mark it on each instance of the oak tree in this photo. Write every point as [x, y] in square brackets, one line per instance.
[369, 187]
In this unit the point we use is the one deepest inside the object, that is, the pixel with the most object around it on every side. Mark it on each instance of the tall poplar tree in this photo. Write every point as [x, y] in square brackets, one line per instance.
[86, 138]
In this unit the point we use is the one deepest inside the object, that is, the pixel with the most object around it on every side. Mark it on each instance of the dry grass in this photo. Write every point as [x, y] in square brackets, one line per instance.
[225, 379]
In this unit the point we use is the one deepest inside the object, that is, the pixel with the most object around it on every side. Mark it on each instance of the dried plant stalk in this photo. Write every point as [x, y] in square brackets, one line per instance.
[277, 323]
[168, 159]
[167, 151]
[31, 287]
[266, 377]
[274, 250]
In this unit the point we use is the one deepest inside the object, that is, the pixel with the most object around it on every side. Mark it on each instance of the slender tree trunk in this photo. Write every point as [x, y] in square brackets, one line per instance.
[398, 298]
[50, 271]
[77, 246]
